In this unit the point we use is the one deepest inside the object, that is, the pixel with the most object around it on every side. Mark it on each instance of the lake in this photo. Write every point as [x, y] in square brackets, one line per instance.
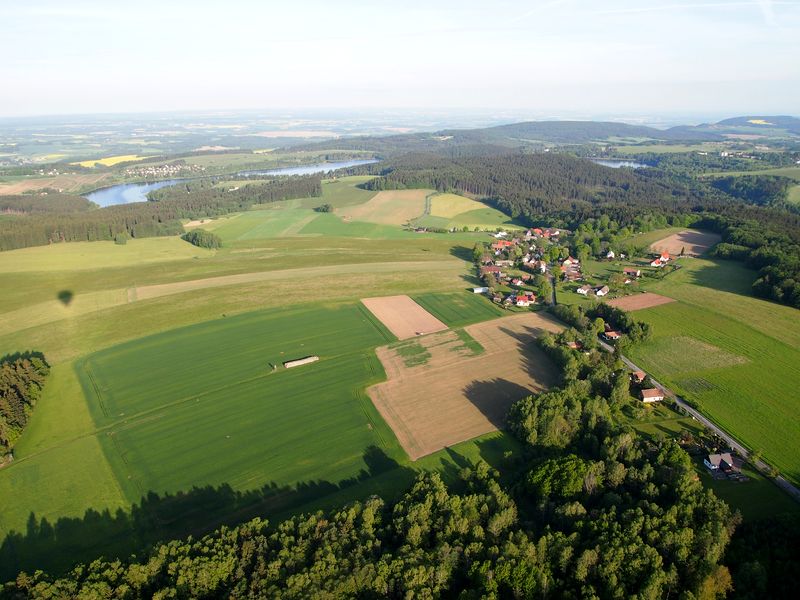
[125, 193]
[616, 164]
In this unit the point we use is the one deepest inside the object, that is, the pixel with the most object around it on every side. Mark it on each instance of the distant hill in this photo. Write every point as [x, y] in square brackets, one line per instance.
[760, 125]
[492, 140]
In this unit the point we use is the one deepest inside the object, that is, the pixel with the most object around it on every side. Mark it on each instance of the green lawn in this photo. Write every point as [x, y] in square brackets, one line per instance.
[734, 356]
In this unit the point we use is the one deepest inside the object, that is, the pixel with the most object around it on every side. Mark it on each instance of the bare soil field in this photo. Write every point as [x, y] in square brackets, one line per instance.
[402, 316]
[394, 207]
[640, 301]
[67, 183]
[456, 395]
[693, 243]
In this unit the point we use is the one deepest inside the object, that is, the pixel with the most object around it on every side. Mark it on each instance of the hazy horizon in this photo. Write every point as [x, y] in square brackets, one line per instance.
[560, 56]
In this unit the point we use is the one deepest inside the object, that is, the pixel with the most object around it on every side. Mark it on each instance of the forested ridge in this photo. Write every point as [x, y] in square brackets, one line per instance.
[587, 509]
[193, 199]
[551, 187]
[22, 378]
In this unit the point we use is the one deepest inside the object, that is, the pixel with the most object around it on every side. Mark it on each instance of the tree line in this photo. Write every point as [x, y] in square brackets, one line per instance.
[158, 217]
[586, 508]
[22, 378]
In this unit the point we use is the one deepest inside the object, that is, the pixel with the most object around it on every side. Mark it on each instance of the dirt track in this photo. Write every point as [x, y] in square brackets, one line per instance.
[454, 396]
[402, 316]
[692, 243]
[640, 301]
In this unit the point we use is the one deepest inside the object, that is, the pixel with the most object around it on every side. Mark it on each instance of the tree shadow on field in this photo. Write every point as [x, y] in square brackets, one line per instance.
[462, 252]
[495, 397]
[65, 297]
[57, 547]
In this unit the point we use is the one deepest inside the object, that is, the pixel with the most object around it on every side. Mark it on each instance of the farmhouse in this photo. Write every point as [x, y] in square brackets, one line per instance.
[720, 462]
[601, 291]
[656, 262]
[577, 345]
[652, 395]
[611, 335]
[584, 290]
[523, 301]
[638, 376]
[491, 269]
[632, 272]
[502, 245]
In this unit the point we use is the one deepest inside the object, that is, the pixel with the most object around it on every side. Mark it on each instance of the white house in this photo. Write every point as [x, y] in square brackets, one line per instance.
[602, 291]
[652, 395]
[584, 290]
[523, 301]
[610, 254]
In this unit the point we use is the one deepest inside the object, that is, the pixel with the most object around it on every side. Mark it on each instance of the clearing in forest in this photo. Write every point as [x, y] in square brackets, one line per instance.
[402, 316]
[691, 243]
[394, 207]
[640, 301]
[448, 390]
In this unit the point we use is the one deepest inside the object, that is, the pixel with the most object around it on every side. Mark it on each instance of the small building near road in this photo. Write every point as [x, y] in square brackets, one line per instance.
[652, 395]
[638, 376]
[611, 335]
[720, 462]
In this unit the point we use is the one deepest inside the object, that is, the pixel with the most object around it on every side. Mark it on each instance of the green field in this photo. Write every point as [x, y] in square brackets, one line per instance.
[458, 309]
[732, 355]
[212, 410]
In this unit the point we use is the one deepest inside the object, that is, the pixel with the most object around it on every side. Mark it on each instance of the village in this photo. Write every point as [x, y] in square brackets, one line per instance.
[528, 269]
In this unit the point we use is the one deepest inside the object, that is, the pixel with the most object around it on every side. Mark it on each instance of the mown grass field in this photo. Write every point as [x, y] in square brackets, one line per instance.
[734, 356]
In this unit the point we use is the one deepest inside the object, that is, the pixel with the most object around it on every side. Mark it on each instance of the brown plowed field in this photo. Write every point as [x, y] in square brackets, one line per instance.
[640, 301]
[402, 316]
[456, 395]
[693, 243]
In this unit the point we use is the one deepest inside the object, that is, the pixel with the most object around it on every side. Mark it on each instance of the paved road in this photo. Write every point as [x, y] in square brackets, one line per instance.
[729, 439]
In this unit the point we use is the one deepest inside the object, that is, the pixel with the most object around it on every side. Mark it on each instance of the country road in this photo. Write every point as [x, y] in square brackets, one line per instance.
[762, 466]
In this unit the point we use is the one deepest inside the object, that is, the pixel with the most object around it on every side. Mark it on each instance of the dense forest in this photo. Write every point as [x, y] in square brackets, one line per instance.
[22, 377]
[756, 189]
[587, 509]
[43, 203]
[161, 216]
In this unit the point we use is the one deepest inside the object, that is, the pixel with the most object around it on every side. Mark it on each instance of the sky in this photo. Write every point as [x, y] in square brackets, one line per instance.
[550, 57]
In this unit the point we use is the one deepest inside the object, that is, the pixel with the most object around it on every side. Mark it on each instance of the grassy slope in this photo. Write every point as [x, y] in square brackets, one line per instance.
[746, 375]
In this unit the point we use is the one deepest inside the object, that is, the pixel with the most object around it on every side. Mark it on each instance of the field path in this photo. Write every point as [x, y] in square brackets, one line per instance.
[53, 310]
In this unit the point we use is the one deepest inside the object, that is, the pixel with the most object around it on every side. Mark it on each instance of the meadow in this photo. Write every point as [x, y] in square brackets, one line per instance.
[732, 355]
[445, 211]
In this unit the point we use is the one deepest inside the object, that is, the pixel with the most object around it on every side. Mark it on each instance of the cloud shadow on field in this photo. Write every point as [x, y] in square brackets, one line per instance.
[59, 546]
